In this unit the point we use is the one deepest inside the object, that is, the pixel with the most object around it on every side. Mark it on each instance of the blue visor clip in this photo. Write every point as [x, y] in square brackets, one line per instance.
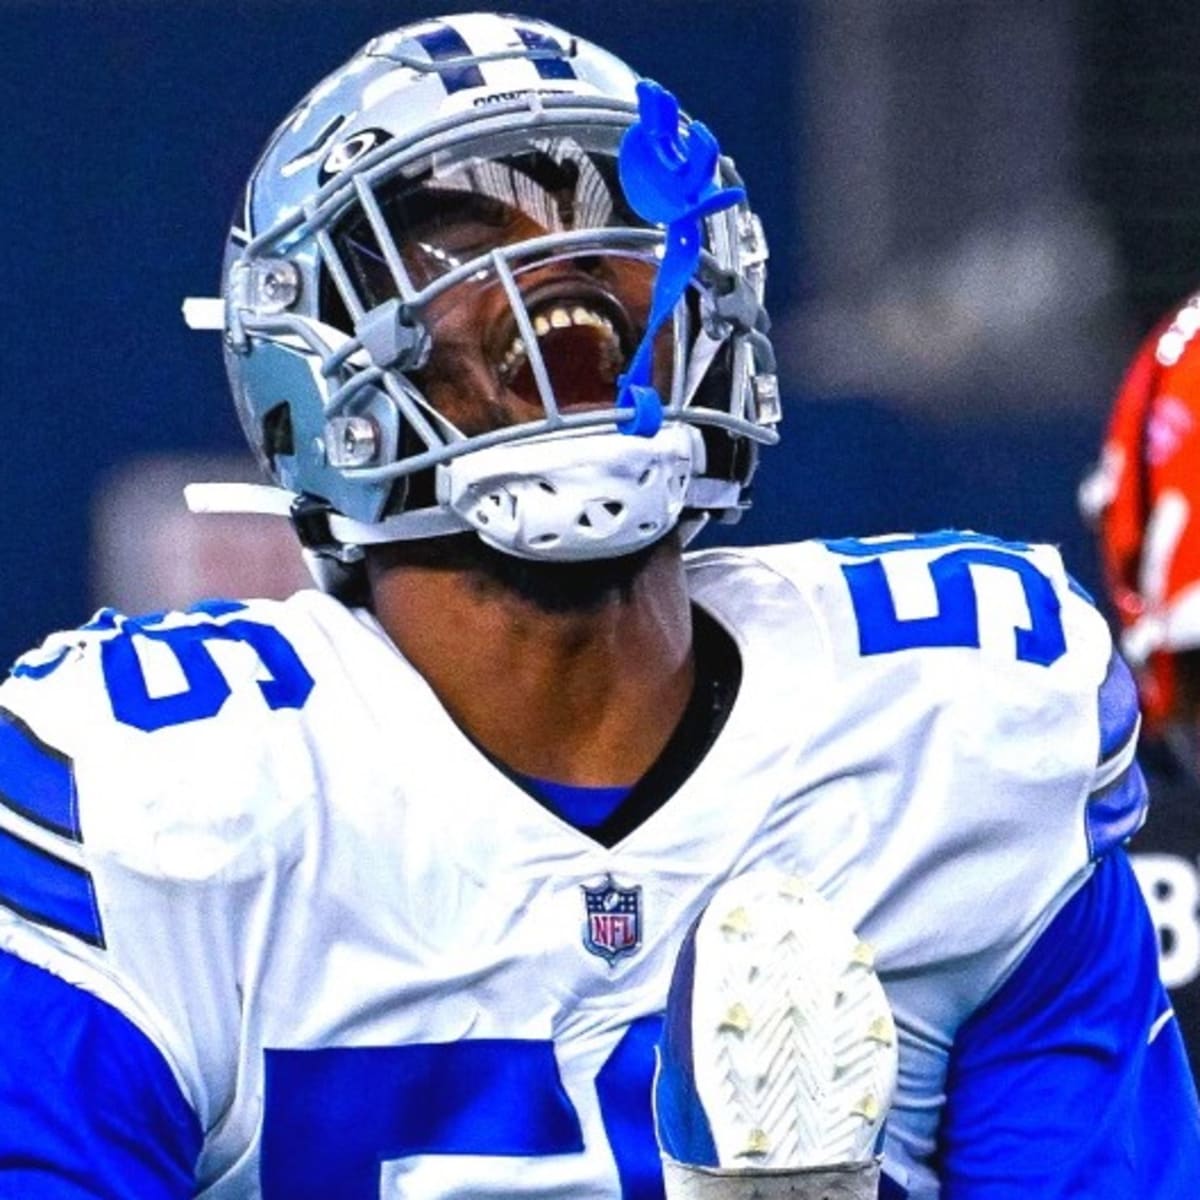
[668, 172]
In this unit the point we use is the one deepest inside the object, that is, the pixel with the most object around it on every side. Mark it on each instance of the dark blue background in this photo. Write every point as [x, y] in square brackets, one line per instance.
[127, 130]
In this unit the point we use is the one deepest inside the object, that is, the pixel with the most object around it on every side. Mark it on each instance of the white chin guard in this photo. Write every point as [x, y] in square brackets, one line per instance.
[570, 497]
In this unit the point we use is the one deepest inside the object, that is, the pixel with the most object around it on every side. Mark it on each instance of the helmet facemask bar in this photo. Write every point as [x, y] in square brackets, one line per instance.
[503, 203]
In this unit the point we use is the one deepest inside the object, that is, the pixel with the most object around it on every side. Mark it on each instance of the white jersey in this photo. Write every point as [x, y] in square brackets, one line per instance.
[312, 892]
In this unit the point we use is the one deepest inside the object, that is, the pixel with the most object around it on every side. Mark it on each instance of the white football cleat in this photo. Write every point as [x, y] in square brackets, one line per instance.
[778, 1059]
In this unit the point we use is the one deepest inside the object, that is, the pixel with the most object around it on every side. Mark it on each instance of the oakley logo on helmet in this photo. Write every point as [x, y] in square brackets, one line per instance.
[517, 94]
[348, 152]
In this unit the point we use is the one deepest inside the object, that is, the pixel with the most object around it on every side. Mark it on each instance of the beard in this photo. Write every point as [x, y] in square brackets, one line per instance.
[555, 588]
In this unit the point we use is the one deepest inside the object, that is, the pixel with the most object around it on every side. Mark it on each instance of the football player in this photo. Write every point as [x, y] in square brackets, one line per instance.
[381, 890]
[1142, 501]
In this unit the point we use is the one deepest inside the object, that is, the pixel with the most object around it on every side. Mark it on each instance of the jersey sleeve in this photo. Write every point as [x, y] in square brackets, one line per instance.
[89, 1109]
[91, 1106]
[139, 814]
[1072, 1080]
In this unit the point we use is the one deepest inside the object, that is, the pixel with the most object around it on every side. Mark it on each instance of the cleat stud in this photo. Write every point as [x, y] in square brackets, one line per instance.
[737, 1018]
[793, 888]
[864, 954]
[737, 922]
[756, 1146]
[882, 1030]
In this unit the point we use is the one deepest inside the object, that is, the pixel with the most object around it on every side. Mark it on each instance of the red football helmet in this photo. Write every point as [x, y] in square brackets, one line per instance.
[1143, 498]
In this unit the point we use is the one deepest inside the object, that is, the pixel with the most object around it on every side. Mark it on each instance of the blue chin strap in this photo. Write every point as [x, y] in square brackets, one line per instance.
[668, 173]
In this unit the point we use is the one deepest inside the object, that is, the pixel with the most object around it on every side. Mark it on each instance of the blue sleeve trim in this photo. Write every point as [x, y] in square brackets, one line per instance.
[47, 890]
[1065, 1082]
[1116, 811]
[1117, 702]
[35, 779]
[89, 1109]
[31, 666]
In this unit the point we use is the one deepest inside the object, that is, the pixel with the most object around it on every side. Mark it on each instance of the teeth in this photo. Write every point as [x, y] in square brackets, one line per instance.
[559, 317]
[514, 355]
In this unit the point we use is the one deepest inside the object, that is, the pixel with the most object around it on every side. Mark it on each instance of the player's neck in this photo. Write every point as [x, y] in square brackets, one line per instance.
[585, 697]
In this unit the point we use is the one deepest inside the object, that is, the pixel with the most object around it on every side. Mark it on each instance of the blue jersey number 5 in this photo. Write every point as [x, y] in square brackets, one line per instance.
[956, 622]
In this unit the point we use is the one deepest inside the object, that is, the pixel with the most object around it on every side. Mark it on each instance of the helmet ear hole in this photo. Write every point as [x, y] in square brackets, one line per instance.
[277, 437]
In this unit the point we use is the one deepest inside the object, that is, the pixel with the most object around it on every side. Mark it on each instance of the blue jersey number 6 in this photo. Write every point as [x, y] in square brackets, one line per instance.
[288, 685]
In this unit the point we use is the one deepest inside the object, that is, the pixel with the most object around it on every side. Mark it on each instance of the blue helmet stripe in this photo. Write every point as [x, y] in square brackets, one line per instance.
[548, 68]
[35, 779]
[47, 890]
[443, 43]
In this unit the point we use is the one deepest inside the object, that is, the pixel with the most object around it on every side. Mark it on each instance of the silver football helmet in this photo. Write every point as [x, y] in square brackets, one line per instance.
[434, 285]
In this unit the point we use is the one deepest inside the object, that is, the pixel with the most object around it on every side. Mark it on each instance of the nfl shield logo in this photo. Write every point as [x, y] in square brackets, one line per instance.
[614, 920]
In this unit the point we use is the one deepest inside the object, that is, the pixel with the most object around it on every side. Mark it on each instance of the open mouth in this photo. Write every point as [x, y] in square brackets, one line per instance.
[585, 338]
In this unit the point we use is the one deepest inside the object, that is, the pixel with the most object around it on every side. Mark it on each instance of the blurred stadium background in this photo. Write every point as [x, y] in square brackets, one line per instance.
[975, 208]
